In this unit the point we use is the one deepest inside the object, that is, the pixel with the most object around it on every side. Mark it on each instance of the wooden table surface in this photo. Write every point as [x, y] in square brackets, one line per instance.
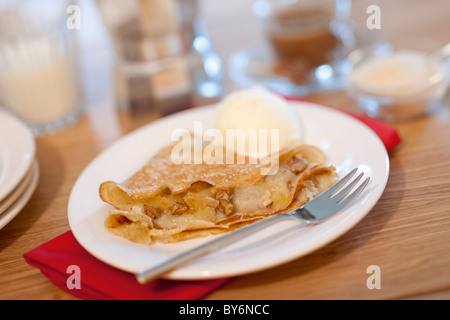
[407, 234]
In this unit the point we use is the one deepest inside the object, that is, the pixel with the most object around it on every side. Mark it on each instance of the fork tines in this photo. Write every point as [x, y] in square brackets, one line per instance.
[339, 195]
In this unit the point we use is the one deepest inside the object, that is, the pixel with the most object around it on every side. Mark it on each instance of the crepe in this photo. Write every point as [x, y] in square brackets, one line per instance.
[168, 202]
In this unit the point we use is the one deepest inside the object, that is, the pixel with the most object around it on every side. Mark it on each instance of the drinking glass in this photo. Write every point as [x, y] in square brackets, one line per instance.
[39, 80]
[307, 39]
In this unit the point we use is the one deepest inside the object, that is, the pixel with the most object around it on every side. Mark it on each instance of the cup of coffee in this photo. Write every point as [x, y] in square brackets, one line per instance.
[301, 35]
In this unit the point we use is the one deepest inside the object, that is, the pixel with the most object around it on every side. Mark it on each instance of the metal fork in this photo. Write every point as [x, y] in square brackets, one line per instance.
[320, 208]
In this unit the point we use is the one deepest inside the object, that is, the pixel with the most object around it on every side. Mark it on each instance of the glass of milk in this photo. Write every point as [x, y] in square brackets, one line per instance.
[39, 80]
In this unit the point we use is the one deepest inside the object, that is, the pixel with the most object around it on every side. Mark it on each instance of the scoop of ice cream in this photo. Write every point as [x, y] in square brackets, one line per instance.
[261, 113]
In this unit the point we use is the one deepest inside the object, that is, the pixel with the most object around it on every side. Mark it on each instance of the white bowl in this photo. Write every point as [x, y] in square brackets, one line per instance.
[390, 101]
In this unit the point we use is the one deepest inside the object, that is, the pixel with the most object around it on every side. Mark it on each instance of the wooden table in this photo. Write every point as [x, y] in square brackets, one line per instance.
[407, 234]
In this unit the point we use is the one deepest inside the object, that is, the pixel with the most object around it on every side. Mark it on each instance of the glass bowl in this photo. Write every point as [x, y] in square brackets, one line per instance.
[396, 82]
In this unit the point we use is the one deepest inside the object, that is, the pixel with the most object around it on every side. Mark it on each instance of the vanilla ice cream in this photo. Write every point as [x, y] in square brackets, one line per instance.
[256, 109]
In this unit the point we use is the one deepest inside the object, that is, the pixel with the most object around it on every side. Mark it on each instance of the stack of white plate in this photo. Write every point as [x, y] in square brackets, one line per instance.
[19, 170]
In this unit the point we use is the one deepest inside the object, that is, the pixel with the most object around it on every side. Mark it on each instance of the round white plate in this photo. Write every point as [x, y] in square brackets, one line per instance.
[347, 142]
[17, 192]
[14, 209]
[17, 151]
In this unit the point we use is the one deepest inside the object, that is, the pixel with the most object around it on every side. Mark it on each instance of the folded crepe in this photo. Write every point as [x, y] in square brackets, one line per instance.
[168, 202]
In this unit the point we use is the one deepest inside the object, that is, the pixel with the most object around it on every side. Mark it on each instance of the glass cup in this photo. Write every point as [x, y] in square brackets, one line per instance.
[307, 37]
[39, 79]
[399, 80]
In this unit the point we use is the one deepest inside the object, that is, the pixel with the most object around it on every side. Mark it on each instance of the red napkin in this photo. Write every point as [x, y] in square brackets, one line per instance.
[388, 135]
[101, 281]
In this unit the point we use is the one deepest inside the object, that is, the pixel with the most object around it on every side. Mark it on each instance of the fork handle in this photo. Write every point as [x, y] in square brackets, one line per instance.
[209, 247]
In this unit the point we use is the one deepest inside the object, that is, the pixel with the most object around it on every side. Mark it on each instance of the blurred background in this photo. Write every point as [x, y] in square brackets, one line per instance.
[160, 57]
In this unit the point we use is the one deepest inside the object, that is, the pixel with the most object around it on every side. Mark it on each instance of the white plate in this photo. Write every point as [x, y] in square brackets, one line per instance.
[17, 151]
[17, 192]
[347, 142]
[14, 209]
